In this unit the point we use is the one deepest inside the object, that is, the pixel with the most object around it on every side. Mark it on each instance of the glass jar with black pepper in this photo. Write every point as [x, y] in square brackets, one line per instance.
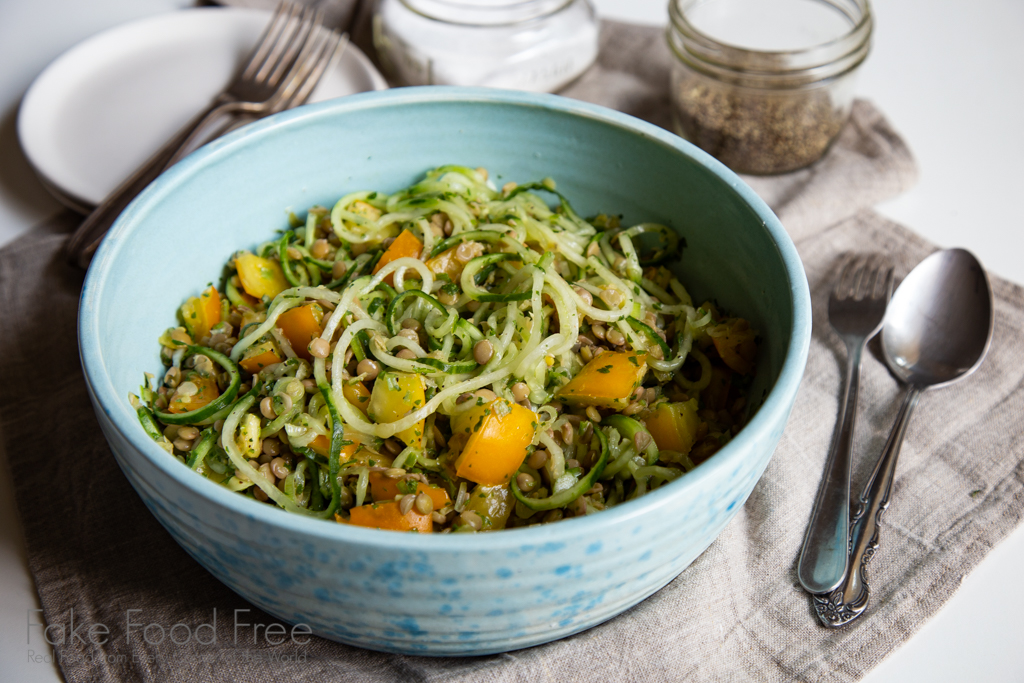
[765, 86]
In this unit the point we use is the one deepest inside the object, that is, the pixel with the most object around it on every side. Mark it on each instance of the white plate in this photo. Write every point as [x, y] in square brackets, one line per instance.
[102, 108]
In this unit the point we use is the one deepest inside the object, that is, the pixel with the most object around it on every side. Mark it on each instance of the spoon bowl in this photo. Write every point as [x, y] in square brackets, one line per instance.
[938, 326]
[937, 330]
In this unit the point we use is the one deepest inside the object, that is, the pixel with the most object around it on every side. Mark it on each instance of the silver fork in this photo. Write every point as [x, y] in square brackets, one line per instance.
[321, 48]
[274, 76]
[856, 309]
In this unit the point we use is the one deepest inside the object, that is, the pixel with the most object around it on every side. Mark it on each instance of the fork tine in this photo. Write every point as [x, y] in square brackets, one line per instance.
[887, 284]
[844, 282]
[869, 276]
[283, 49]
[328, 59]
[315, 64]
[862, 276]
[844, 275]
[309, 26]
[279, 23]
[874, 286]
[307, 60]
[296, 90]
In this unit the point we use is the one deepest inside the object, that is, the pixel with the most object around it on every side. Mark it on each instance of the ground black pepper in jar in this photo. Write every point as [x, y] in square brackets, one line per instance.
[765, 87]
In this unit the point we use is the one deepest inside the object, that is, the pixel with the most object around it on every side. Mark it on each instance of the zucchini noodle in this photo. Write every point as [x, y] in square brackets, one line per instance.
[451, 357]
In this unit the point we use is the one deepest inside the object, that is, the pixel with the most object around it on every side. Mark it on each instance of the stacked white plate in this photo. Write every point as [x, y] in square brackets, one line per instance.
[102, 108]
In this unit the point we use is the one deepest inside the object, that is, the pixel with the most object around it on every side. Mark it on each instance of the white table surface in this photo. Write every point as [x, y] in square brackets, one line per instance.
[947, 73]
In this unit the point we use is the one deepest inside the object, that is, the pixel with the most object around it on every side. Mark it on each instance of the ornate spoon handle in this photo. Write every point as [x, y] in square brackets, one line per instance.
[850, 599]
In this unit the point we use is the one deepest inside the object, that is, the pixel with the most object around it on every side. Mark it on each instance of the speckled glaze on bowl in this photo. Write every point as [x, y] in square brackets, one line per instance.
[452, 594]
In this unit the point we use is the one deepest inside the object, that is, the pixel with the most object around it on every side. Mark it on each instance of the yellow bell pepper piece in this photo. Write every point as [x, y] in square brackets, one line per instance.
[201, 313]
[206, 391]
[300, 326]
[494, 505]
[674, 426]
[259, 356]
[395, 395]
[607, 381]
[365, 209]
[406, 244]
[259, 276]
[499, 433]
[389, 516]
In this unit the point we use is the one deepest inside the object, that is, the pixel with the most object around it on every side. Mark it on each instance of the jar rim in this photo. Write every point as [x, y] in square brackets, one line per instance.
[773, 68]
[486, 12]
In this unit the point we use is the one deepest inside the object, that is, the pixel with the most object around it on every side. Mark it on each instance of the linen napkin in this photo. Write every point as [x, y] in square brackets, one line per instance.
[736, 614]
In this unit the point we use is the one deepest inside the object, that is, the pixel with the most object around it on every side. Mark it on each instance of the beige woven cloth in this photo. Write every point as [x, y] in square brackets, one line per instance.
[734, 615]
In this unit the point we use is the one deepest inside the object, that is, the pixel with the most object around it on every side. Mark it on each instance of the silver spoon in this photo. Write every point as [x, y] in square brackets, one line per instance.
[937, 330]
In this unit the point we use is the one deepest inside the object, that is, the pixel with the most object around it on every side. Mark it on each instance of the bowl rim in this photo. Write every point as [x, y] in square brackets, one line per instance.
[774, 409]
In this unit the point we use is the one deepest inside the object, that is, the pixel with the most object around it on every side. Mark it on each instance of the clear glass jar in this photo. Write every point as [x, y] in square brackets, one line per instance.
[765, 87]
[535, 45]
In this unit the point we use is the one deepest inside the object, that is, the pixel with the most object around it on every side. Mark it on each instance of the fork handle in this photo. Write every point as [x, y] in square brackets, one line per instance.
[83, 243]
[824, 556]
[849, 600]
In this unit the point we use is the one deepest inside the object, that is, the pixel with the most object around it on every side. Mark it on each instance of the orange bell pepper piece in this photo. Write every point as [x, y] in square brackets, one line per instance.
[499, 434]
[389, 516]
[406, 244]
[384, 488]
[735, 343]
[201, 313]
[357, 394]
[674, 425]
[207, 391]
[321, 445]
[300, 326]
[259, 356]
[260, 276]
[607, 381]
[446, 263]
[395, 395]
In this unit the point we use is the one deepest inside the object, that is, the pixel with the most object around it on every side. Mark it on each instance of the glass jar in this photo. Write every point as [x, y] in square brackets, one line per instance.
[765, 87]
[535, 45]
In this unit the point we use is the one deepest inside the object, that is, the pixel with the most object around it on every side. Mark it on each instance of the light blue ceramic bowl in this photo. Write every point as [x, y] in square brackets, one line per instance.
[450, 594]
